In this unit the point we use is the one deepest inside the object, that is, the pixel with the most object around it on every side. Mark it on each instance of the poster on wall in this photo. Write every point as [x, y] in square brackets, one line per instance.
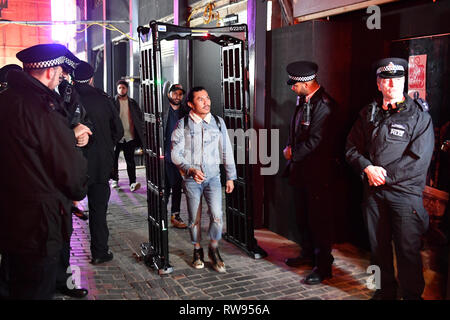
[417, 75]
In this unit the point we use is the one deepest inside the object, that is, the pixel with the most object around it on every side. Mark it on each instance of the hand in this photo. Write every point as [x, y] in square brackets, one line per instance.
[375, 175]
[81, 129]
[229, 186]
[83, 140]
[198, 175]
[82, 134]
[287, 152]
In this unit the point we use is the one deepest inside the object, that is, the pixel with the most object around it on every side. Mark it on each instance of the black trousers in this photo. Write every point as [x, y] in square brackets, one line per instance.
[315, 223]
[173, 183]
[98, 197]
[44, 265]
[32, 277]
[401, 218]
[63, 264]
[128, 152]
[4, 277]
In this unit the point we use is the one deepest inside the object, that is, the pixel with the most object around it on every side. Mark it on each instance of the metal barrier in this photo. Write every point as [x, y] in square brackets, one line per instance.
[235, 101]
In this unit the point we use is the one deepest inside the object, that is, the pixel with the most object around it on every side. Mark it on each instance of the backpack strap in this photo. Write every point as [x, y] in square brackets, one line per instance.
[219, 125]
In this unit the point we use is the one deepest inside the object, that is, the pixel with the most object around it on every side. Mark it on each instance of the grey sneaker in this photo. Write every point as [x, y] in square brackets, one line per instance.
[114, 184]
[216, 260]
[198, 262]
[135, 186]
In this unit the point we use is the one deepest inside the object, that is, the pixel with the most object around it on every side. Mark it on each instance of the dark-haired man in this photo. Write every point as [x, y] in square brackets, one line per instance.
[310, 169]
[172, 112]
[132, 122]
[200, 143]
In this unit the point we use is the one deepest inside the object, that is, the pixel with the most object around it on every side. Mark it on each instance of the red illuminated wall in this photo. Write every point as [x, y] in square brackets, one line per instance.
[14, 38]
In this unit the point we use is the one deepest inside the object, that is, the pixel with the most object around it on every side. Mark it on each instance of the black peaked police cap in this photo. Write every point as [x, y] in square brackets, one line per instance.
[301, 71]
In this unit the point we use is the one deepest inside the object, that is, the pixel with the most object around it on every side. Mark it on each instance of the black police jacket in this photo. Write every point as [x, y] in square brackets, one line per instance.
[136, 116]
[41, 171]
[106, 132]
[401, 142]
[75, 110]
[313, 150]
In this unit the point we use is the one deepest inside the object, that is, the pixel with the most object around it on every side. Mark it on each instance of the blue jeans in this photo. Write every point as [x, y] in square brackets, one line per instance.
[211, 189]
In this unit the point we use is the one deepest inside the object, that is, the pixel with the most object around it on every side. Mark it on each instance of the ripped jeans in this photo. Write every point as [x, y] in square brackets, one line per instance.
[212, 191]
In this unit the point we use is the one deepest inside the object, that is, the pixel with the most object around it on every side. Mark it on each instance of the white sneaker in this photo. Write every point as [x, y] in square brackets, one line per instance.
[114, 184]
[135, 186]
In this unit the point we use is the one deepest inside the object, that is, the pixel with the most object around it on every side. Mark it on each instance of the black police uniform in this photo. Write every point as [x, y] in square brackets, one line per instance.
[401, 141]
[35, 221]
[310, 171]
[107, 130]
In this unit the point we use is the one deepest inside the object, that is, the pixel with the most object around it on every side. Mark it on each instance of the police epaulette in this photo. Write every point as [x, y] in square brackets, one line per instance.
[421, 103]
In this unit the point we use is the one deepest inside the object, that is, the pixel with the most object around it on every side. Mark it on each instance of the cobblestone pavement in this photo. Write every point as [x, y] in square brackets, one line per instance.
[127, 278]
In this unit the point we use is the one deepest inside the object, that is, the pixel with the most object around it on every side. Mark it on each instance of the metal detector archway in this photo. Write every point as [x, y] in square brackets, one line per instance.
[235, 102]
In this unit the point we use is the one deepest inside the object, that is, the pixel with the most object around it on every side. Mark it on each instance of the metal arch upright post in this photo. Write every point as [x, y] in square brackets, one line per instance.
[155, 253]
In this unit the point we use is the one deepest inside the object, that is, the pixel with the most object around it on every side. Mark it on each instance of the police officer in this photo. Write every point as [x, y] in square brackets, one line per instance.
[309, 168]
[77, 120]
[99, 152]
[41, 154]
[390, 146]
[4, 73]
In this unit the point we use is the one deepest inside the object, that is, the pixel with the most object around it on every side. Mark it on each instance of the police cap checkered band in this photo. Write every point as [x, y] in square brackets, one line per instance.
[71, 63]
[83, 81]
[303, 79]
[45, 64]
[390, 68]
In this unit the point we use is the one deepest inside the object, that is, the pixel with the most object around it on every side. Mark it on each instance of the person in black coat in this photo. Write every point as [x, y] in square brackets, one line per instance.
[133, 125]
[173, 110]
[390, 146]
[42, 155]
[310, 164]
[107, 130]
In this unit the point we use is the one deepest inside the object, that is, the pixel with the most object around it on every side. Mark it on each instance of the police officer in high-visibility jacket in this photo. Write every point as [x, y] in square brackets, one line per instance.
[391, 145]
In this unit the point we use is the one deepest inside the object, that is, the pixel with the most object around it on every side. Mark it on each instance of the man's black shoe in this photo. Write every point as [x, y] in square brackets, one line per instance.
[299, 261]
[315, 277]
[74, 293]
[109, 256]
[77, 212]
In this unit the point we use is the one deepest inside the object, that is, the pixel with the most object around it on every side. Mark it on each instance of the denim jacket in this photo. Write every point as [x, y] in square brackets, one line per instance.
[201, 146]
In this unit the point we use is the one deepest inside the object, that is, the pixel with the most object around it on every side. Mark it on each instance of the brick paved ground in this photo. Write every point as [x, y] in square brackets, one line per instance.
[127, 278]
